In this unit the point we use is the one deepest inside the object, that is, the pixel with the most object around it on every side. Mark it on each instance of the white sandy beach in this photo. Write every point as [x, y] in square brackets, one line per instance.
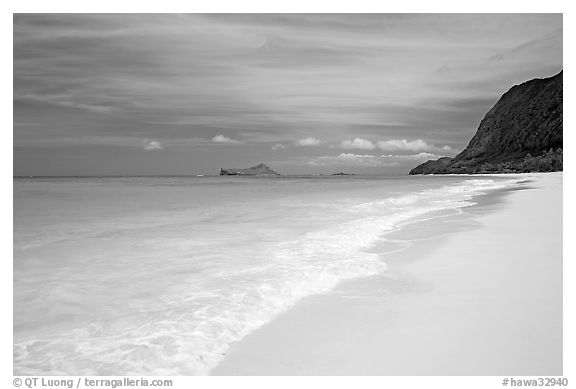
[477, 294]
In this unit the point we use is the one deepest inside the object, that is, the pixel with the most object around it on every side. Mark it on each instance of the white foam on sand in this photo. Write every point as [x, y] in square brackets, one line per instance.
[486, 299]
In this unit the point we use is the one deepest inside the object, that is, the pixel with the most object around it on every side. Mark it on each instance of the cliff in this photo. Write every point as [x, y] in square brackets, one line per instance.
[522, 132]
[258, 170]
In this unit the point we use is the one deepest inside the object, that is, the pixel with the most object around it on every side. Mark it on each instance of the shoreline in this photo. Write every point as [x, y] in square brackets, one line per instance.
[478, 293]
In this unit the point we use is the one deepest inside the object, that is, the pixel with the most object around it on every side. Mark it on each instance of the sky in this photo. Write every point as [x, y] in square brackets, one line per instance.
[173, 94]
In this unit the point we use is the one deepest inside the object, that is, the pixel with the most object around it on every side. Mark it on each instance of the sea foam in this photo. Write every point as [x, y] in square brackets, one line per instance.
[219, 288]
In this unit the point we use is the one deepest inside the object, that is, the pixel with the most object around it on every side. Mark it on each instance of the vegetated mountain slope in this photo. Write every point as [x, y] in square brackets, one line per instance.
[522, 132]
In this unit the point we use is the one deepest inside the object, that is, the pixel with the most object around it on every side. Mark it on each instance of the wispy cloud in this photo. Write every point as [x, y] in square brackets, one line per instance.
[278, 146]
[367, 78]
[63, 101]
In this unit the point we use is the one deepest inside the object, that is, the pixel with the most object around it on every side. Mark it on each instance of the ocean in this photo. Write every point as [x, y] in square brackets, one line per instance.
[161, 275]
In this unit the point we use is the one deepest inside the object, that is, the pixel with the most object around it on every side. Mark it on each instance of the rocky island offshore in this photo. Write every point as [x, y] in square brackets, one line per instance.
[258, 170]
[521, 133]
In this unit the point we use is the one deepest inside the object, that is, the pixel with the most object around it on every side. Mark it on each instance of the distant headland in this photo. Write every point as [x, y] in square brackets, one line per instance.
[258, 170]
[521, 133]
[263, 170]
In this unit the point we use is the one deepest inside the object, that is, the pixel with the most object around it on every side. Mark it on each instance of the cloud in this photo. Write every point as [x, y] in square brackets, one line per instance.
[351, 159]
[308, 142]
[224, 139]
[392, 145]
[358, 143]
[152, 145]
[366, 160]
[419, 156]
[63, 100]
[278, 146]
[106, 78]
[405, 145]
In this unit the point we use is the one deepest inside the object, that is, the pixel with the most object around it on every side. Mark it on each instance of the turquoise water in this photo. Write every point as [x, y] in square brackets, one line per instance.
[160, 275]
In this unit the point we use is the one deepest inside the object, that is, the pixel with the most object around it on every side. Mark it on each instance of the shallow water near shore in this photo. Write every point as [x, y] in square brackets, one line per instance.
[161, 275]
